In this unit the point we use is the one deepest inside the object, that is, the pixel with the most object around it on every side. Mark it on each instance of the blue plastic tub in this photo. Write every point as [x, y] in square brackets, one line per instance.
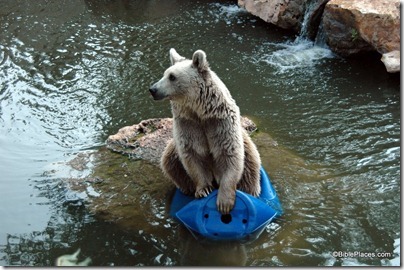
[248, 216]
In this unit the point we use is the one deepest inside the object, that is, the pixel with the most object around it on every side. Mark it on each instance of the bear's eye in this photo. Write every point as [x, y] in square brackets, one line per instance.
[171, 77]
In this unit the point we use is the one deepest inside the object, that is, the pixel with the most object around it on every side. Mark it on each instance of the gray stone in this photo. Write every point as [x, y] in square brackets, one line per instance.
[392, 61]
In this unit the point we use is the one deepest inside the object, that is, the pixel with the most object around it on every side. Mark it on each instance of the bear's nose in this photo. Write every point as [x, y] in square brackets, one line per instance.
[153, 90]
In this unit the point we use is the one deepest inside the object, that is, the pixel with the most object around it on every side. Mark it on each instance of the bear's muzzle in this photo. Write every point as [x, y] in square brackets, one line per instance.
[155, 93]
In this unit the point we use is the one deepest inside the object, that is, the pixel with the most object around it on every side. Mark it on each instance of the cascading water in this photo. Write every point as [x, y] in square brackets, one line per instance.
[306, 21]
[302, 52]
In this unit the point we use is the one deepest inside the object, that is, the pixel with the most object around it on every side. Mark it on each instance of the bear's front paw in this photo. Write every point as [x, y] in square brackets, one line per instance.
[203, 192]
[225, 201]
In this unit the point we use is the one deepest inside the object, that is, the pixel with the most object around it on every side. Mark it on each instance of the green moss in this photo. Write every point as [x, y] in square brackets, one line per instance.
[354, 34]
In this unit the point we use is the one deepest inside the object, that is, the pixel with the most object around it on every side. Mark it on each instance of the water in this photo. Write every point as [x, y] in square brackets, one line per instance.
[302, 52]
[291, 55]
[77, 71]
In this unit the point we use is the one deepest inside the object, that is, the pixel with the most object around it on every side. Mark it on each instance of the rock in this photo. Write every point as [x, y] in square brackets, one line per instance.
[354, 26]
[298, 15]
[341, 34]
[350, 26]
[392, 61]
[132, 140]
[283, 13]
[314, 13]
[133, 193]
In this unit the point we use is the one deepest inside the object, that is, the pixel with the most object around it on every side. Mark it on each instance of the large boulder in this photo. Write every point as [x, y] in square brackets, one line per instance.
[297, 15]
[355, 26]
[287, 14]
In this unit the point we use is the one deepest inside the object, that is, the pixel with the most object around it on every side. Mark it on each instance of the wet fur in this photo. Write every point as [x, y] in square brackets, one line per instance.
[209, 146]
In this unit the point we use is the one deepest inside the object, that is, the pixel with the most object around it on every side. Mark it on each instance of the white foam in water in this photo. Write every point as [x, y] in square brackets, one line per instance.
[227, 12]
[302, 53]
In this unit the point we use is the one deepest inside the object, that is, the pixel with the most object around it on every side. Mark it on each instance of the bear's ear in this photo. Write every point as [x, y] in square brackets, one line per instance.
[199, 60]
[175, 57]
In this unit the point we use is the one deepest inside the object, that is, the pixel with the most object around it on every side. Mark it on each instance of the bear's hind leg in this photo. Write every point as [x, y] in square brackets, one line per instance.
[250, 180]
[174, 170]
[199, 169]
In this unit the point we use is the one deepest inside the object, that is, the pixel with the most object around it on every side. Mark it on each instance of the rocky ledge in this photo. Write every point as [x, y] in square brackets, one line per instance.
[350, 26]
[148, 139]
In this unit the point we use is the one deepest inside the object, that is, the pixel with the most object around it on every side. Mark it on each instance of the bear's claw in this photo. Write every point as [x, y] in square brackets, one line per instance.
[203, 192]
[225, 208]
[225, 203]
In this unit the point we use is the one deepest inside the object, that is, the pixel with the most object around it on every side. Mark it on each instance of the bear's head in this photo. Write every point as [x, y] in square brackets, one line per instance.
[183, 79]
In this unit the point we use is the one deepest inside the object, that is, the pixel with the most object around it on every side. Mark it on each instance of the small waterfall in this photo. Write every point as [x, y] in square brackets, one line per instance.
[320, 37]
[302, 52]
[304, 30]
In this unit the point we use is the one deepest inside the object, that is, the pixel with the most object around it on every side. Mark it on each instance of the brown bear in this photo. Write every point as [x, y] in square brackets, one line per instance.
[209, 147]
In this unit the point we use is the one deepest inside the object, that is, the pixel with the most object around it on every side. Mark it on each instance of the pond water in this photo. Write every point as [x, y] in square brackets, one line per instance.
[74, 72]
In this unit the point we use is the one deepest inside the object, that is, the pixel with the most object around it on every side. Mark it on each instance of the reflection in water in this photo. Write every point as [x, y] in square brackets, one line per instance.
[196, 252]
[73, 235]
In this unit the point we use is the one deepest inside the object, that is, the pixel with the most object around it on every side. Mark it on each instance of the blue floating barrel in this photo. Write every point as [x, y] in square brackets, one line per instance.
[248, 216]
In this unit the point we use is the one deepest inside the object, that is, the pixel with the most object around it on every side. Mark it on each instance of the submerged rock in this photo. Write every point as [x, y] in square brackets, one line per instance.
[127, 187]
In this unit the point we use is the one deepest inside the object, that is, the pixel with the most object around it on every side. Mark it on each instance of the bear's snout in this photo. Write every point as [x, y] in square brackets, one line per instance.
[153, 90]
[155, 93]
